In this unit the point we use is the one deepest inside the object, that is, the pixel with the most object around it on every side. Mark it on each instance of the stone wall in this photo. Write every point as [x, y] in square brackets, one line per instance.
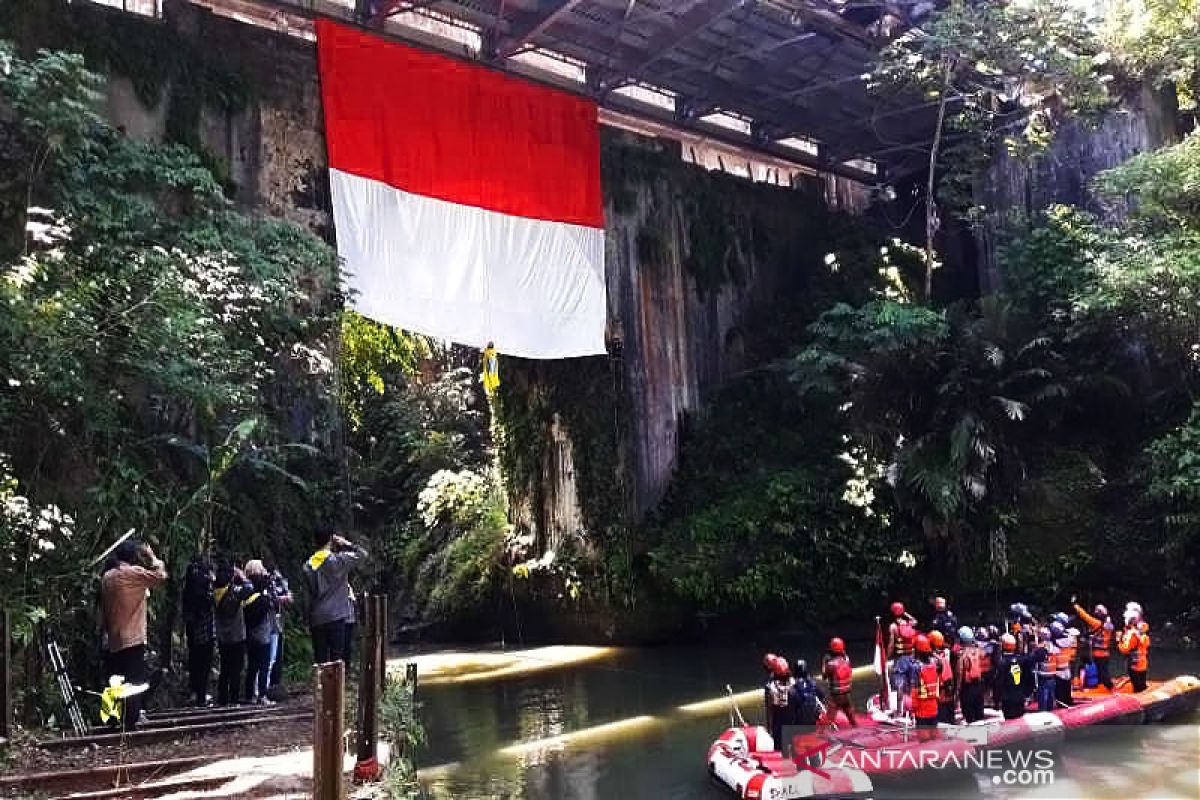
[1080, 151]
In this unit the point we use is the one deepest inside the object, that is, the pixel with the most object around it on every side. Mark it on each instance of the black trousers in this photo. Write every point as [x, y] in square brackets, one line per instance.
[1013, 709]
[1138, 679]
[971, 699]
[129, 663]
[257, 658]
[329, 642]
[1103, 676]
[229, 682]
[199, 664]
[1062, 691]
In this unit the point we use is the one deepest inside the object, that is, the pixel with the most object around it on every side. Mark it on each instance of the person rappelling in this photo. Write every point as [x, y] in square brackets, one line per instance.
[490, 373]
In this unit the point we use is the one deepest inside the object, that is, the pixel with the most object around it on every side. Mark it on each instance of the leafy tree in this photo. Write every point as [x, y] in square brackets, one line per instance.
[1158, 40]
[164, 355]
[997, 72]
[953, 404]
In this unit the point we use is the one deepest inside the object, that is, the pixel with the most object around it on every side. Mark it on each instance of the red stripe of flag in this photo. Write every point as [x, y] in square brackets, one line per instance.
[433, 126]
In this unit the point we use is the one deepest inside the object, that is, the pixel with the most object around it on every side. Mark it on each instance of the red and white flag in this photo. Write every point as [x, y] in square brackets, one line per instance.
[467, 203]
[880, 664]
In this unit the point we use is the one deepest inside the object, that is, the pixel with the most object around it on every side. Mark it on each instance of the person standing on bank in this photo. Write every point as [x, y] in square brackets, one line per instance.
[199, 626]
[283, 599]
[327, 574]
[231, 590]
[124, 587]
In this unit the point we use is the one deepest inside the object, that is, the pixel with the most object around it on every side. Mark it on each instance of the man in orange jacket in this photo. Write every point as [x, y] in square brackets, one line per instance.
[1134, 643]
[1100, 632]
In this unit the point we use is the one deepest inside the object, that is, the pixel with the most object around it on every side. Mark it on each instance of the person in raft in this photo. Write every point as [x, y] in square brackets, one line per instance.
[1014, 679]
[839, 677]
[1100, 635]
[777, 696]
[926, 683]
[1134, 644]
[901, 633]
[970, 675]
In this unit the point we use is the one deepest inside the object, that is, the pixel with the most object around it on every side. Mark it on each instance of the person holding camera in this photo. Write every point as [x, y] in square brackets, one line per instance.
[125, 586]
[327, 574]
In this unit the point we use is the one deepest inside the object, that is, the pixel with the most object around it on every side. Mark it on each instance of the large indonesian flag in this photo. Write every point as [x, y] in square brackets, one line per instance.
[467, 203]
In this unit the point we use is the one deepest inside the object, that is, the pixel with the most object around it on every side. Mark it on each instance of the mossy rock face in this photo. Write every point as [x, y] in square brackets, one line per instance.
[161, 64]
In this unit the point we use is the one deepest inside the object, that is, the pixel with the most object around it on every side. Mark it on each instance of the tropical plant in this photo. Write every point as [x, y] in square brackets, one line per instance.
[953, 404]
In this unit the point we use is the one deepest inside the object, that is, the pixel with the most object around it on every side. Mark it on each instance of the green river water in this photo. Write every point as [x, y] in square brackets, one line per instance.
[631, 723]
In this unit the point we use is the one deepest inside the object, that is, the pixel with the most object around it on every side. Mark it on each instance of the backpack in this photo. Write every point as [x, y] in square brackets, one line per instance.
[228, 605]
[806, 692]
[972, 669]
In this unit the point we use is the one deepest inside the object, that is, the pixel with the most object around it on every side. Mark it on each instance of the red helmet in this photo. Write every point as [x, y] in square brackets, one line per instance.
[939, 603]
[1008, 643]
[897, 609]
[922, 644]
[776, 665]
[836, 645]
[936, 638]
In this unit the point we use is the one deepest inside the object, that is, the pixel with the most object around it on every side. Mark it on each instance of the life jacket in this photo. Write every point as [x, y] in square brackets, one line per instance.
[1064, 656]
[927, 690]
[839, 674]
[1102, 639]
[985, 660]
[945, 676]
[1135, 644]
[1047, 667]
[777, 693]
[905, 634]
[971, 664]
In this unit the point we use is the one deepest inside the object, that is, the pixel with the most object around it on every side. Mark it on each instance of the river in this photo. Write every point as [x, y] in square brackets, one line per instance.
[568, 723]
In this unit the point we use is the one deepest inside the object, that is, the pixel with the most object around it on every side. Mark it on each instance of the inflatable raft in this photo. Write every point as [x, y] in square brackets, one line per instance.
[879, 747]
[745, 760]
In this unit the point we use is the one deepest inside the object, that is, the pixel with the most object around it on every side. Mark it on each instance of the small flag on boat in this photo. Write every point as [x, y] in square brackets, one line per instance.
[881, 664]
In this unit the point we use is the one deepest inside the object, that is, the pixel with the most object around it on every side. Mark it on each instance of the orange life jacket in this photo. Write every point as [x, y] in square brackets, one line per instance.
[839, 674]
[945, 675]
[1102, 637]
[904, 636]
[1135, 644]
[1065, 655]
[985, 660]
[925, 693]
[971, 661]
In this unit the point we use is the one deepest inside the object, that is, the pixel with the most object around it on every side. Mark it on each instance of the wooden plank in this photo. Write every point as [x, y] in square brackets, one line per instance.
[43, 781]
[156, 723]
[145, 791]
[137, 736]
[328, 724]
[366, 767]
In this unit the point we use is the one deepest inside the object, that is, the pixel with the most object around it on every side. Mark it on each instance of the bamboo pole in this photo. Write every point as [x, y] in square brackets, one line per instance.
[328, 725]
[367, 768]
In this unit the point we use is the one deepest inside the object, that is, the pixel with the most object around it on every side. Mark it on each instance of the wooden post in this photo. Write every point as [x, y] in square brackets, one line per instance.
[328, 724]
[5, 676]
[384, 636]
[367, 768]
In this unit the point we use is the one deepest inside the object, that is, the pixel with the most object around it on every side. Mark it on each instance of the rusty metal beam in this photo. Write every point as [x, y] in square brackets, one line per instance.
[528, 27]
[161, 734]
[697, 18]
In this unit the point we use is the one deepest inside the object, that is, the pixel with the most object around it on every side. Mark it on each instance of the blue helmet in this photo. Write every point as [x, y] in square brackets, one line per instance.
[1056, 628]
[1062, 618]
[966, 635]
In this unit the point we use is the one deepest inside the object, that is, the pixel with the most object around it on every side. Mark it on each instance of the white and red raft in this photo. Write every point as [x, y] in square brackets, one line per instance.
[745, 760]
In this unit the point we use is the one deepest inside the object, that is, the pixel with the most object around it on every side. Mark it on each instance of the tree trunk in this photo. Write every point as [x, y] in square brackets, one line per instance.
[931, 221]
